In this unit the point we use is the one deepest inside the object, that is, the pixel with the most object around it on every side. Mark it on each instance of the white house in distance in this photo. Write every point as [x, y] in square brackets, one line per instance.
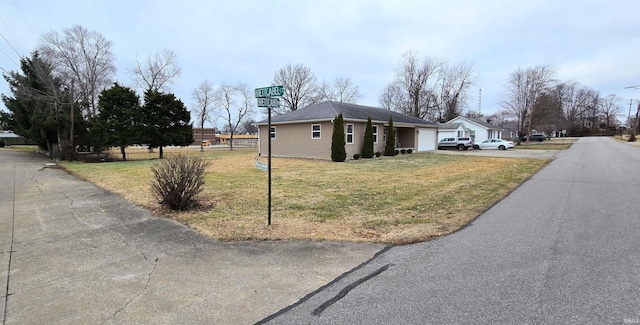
[476, 129]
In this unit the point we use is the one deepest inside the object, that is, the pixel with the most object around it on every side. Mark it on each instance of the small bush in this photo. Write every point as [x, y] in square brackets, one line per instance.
[378, 154]
[178, 180]
[632, 138]
[2, 144]
[403, 151]
[356, 156]
[396, 152]
[409, 150]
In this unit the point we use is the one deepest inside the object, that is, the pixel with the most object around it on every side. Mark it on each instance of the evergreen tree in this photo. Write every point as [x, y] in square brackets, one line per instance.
[165, 121]
[367, 145]
[118, 121]
[338, 152]
[36, 107]
[390, 145]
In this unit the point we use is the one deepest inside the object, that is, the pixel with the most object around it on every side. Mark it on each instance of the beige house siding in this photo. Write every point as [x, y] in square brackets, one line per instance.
[294, 139]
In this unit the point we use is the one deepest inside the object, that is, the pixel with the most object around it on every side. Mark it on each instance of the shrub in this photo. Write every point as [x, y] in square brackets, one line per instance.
[396, 152]
[390, 144]
[338, 152]
[2, 144]
[367, 144]
[378, 153]
[409, 150]
[632, 138]
[178, 180]
[403, 151]
[356, 156]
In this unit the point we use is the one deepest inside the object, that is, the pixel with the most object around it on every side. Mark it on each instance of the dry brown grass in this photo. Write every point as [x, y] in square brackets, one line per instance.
[398, 200]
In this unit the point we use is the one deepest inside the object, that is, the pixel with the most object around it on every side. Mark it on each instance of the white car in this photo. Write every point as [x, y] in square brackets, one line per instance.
[495, 144]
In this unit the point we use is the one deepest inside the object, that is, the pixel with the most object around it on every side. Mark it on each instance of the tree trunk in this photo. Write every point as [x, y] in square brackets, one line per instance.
[122, 151]
[161, 153]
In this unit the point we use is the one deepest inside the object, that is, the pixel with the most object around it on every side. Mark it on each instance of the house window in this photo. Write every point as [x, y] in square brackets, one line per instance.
[459, 133]
[315, 131]
[375, 134]
[349, 133]
[273, 132]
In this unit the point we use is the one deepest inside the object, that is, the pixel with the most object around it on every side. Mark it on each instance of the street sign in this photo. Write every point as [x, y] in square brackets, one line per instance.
[262, 165]
[269, 102]
[273, 91]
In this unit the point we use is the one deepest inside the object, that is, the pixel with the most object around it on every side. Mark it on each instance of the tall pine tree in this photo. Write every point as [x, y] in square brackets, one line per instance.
[118, 123]
[166, 121]
[390, 145]
[367, 145]
[338, 152]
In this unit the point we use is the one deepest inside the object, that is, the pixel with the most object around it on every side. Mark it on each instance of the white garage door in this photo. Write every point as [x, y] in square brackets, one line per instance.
[426, 139]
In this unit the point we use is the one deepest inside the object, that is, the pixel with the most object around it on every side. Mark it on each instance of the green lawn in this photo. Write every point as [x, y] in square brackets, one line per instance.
[401, 199]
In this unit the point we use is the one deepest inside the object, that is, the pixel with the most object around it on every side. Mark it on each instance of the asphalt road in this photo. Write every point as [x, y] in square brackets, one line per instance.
[564, 248]
[72, 253]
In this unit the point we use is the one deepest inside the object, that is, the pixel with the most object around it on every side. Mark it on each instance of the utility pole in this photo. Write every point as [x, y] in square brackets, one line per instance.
[635, 124]
[71, 114]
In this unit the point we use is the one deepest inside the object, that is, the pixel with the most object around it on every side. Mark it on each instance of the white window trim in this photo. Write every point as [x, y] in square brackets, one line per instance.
[346, 134]
[319, 131]
[272, 133]
[375, 134]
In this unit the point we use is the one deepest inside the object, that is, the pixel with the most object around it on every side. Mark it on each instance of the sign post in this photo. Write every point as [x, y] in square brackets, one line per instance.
[264, 99]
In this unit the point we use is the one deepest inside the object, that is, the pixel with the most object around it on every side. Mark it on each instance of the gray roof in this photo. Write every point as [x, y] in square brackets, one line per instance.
[350, 112]
[483, 123]
[449, 126]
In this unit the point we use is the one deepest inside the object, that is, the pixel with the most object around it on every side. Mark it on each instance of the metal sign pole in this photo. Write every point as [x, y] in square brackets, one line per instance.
[269, 163]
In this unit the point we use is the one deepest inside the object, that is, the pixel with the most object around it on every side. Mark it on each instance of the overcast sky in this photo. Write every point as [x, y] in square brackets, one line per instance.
[594, 42]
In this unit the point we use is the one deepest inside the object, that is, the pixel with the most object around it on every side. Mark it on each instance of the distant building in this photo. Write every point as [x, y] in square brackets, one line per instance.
[239, 139]
[209, 135]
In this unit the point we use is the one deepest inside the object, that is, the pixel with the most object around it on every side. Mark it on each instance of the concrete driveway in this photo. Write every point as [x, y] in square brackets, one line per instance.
[509, 153]
[72, 253]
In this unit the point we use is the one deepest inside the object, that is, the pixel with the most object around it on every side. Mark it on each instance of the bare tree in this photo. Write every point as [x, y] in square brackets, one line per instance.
[454, 84]
[414, 86]
[345, 90]
[158, 71]
[300, 86]
[203, 96]
[236, 104]
[391, 97]
[324, 92]
[609, 108]
[83, 55]
[523, 88]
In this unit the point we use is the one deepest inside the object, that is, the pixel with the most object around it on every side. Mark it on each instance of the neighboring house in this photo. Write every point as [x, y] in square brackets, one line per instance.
[479, 130]
[11, 138]
[307, 132]
[452, 130]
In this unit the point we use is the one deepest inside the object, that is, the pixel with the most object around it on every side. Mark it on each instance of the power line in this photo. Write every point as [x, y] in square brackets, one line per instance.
[14, 49]
[3, 69]
[14, 35]
[25, 20]
[10, 59]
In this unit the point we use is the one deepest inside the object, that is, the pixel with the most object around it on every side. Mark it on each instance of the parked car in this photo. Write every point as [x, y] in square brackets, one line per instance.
[535, 137]
[495, 144]
[462, 143]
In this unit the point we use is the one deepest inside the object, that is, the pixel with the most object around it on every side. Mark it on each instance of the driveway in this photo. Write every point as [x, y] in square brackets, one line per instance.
[72, 253]
[563, 248]
[509, 153]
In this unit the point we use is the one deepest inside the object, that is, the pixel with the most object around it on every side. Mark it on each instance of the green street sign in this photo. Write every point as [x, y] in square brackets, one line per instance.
[273, 91]
[269, 102]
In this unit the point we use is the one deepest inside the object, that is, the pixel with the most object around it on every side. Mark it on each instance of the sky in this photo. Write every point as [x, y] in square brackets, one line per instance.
[593, 42]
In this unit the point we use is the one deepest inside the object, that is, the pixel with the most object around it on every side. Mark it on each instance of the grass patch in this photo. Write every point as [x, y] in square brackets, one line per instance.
[398, 200]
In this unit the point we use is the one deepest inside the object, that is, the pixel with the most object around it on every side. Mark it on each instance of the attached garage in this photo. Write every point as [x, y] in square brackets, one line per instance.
[427, 139]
